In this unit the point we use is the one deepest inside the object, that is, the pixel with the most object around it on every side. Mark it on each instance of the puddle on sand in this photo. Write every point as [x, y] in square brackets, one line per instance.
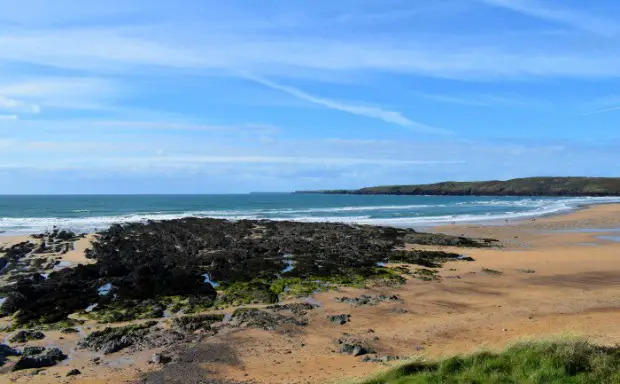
[62, 265]
[584, 230]
[609, 238]
[587, 244]
[214, 284]
[104, 289]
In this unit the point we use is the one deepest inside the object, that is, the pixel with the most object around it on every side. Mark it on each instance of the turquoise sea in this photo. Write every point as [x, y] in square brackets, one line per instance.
[29, 214]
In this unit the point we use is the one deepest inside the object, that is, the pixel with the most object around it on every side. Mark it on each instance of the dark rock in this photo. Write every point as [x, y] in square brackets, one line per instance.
[25, 335]
[193, 323]
[31, 351]
[264, 320]
[110, 340]
[160, 358]
[339, 319]
[147, 261]
[366, 300]
[74, 372]
[400, 310]
[47, 358]
[5, 352]
[354, 349]
[376, 359]
[299, 309]
[69, 330]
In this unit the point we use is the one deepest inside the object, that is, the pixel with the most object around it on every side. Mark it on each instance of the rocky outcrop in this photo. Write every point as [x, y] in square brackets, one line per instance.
[266, 320]
[137, 337]
[5, 352]
[366, 300]
[46, 358]
[339, 319]
[26, 335]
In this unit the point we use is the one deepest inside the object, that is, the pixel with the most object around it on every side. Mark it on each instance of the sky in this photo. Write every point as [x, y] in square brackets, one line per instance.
[205, 96]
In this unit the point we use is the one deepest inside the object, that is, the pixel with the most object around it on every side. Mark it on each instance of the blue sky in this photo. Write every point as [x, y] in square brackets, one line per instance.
[201, 96]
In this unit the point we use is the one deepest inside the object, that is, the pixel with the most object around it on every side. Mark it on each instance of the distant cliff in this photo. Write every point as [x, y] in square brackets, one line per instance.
[531, 186]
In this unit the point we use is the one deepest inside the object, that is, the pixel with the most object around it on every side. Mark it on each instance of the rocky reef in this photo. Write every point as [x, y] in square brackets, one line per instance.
[145, 270]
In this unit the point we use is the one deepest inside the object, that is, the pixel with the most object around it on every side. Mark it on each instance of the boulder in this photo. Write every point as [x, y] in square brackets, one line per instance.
[25, 335]
[339, 319]
[160, 358]
[353, 349]
[46, 358]
[74, 372]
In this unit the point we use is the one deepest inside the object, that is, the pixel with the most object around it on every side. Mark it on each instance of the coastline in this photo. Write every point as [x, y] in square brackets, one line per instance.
[552, 281]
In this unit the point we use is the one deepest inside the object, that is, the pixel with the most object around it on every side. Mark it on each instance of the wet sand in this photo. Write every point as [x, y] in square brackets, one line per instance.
[554, 280]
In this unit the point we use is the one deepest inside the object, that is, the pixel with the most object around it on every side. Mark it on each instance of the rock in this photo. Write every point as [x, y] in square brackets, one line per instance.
[160, 358]
[31, 351]
[137, 336]
[47, 358]
[69, 330]
[353, 349]
[25, 335]
[6, 351]
[366, 300]
[299, 309]
[268, 321]
[400, 310]
[339, 319]
[376, 359]
[193, 323]
[74, 372]
[110, 340]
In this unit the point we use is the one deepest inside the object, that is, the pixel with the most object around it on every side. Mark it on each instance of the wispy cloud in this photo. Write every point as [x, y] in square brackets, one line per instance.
[257, 128]
[602, 111]
[19, 106]
[477, 100]
[8, 117]
[387, 116]
[551, 12]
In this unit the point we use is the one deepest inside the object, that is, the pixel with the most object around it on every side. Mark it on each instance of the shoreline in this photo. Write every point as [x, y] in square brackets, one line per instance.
[424, 225]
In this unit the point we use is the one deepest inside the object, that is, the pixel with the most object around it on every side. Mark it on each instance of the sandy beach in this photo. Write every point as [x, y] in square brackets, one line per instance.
[552, 276]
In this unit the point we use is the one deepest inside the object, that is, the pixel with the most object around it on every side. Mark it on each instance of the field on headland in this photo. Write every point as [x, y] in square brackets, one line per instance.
[547, 278]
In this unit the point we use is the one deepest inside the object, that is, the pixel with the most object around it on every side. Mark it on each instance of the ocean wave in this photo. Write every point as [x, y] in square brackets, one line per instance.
[368, 215]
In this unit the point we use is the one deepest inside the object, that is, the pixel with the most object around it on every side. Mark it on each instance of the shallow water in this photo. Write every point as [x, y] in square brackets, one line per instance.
[609, 238]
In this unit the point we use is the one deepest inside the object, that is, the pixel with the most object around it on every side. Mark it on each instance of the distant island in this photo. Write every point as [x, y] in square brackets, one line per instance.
[530, 186]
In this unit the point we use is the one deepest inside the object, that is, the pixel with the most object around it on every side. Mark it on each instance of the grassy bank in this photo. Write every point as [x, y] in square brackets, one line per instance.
[558, 361]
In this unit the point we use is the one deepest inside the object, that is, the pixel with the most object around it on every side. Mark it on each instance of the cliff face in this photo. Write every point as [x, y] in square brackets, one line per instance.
[532, 186]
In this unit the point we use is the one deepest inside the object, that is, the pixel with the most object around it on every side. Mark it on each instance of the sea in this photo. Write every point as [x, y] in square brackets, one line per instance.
[36, 214]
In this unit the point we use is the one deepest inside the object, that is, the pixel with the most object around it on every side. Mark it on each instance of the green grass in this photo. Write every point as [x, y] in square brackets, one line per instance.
[567, 361]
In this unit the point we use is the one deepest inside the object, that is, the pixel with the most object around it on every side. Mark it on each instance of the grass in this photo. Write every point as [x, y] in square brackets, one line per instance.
[568, 361]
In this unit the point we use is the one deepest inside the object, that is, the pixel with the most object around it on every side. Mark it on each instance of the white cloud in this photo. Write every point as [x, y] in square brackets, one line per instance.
[477, 100]
[602, 111]
[130, 50]
[8, 117]
[550, 11]
[336, 161]
[360, 110]
[13, 105]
